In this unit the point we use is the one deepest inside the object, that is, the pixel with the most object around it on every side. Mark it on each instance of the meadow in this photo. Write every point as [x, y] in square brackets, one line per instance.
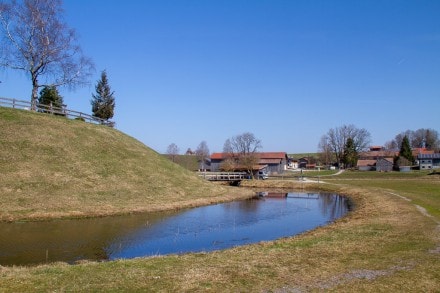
[390, 242]
[57, 168]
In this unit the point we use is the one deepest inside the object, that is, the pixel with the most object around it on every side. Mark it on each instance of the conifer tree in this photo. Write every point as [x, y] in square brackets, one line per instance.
[103, 102]
[350, 154]
[50, 97]
[405, 150]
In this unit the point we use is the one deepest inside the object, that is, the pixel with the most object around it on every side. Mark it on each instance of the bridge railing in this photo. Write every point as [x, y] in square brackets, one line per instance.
[63, 111]
[224, 176]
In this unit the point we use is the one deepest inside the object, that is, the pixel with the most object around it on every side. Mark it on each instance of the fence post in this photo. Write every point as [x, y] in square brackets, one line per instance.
[13, 103]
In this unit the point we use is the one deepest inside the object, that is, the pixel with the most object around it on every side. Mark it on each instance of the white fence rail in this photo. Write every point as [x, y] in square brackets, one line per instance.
[26, 105]
[224, 176]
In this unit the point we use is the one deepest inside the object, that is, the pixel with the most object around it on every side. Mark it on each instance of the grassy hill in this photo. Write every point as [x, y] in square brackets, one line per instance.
[55, 167]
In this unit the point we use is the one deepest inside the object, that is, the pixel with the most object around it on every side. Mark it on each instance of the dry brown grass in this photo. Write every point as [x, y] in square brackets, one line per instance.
[55, 167]
[385, 245]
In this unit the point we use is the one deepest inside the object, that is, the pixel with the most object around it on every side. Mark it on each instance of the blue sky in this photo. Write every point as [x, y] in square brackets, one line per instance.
[288, 71]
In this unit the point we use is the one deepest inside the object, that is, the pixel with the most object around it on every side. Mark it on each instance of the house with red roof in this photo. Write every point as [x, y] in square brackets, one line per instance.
[270, 162]
[377, 159]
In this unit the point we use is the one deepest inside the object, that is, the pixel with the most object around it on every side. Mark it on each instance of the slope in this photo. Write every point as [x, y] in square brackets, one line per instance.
[55, 167]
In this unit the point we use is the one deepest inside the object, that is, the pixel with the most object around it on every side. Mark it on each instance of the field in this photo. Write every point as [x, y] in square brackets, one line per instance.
[53, 167]
[389, 243]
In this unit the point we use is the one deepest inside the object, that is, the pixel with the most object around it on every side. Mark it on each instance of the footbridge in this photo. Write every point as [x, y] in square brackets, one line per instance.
[234, 178]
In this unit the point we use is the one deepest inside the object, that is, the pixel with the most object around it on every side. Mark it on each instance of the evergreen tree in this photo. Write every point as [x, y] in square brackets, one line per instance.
[405, 150]
[103, 102]
[50, 97]
[350, 155]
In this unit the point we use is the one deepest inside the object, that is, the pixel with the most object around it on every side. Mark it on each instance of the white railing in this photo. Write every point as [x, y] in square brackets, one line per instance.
[224, 176]
[26, 105]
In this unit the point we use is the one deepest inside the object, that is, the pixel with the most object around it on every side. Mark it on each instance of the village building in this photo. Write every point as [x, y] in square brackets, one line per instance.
[292, 163]
[382, 160]
[384, 164]
[376, 159]
[269, 162]
[366, 165]
[377, 152]
[429, 161]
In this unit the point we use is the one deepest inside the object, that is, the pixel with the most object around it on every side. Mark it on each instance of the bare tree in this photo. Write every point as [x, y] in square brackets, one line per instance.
[428, 138]
[336, 139]
[245, 143]
[227, 147]
[422, 137]
[243, 149]
[395, 143]
[36, 40]
[202, 153]
[326, 155]
[173, 151]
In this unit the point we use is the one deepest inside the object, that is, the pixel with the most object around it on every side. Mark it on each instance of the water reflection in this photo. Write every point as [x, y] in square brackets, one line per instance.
[266, 217]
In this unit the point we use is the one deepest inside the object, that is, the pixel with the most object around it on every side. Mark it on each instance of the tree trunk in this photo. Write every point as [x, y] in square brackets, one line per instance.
[34, 97]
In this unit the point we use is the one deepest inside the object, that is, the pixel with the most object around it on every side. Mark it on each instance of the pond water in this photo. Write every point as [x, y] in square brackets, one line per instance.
[266, 217]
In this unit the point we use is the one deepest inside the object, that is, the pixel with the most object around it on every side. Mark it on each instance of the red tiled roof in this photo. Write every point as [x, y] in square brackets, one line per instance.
[364, 163]
[273, 155]
[377, 154]
[219, 156]
[417, 151]
[263, 155]
[376, 148]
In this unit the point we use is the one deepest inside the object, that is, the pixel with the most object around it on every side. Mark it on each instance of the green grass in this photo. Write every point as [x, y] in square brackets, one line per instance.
[383, 175]
[312, 173]
[189, 162]
[385, 245]
[303, 155]
[55, 167]
[422, 187]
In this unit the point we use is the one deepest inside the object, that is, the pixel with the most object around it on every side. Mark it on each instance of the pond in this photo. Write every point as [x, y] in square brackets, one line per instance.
[266, 217]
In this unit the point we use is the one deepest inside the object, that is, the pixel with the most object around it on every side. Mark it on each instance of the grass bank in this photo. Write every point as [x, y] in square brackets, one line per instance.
[55, 167]
[388, 244]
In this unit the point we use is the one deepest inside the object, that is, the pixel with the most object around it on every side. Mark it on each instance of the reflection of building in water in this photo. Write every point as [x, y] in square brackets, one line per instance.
[304, 195]
[273, 194]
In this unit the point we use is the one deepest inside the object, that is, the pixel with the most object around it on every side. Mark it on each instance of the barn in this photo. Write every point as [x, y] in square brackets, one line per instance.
[274, 162]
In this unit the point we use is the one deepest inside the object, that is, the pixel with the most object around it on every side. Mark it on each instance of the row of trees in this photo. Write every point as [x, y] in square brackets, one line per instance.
[202, 153]
[36, 41]
[420, 138]
[343, 144]
[103, 101]
[340, 145]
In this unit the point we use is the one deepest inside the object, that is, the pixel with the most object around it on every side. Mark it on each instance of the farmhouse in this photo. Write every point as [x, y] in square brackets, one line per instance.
[429, 161]
[376, 159]
[384, 164]
[271, 162]
[366, 165]
[376, 153]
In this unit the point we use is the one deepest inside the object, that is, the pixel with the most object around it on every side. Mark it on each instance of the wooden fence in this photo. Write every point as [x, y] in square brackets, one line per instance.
[26, 105]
